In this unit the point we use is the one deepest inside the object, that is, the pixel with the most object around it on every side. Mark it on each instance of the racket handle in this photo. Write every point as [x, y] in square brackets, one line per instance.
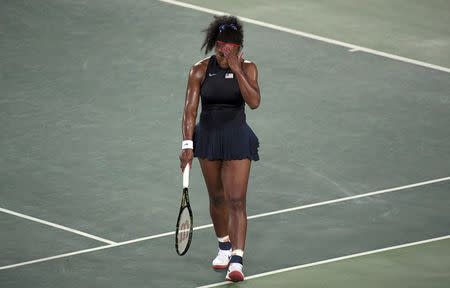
[186, 176]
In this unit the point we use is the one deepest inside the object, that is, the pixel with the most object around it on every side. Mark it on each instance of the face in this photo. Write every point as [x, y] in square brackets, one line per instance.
[223, 46]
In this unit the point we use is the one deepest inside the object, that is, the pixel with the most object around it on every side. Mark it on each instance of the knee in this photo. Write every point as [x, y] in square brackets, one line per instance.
[236, 203]
[217, 200]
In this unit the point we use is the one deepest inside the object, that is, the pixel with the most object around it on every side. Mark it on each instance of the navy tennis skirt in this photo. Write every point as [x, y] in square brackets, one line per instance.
[225, 135]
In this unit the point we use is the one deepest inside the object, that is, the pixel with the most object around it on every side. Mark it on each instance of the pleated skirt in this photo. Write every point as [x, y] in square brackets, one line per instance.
[225, 135]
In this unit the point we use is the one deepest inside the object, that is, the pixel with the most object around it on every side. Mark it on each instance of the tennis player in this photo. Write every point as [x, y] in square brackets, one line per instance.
[222, 141]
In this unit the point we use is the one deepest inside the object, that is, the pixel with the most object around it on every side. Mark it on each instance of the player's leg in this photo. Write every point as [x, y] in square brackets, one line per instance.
[235, 174]
[218, 210]
[217, 203]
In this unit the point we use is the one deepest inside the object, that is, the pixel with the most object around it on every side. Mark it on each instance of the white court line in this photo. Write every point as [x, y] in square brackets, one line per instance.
[333, 260]
[312, 36]
[210, 225]
[56, 226]
[351, 197]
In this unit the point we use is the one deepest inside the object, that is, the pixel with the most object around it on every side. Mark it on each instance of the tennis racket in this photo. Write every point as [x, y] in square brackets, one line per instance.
[183, 234]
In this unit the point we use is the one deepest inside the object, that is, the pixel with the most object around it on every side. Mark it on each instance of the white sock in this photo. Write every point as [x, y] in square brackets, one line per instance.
[238, 252]
[224, 239]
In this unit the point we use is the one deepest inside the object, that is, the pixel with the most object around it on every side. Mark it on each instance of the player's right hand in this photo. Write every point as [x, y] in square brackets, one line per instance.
[186, 157]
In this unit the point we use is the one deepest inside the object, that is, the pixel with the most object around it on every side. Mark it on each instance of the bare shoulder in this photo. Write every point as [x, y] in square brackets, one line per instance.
[199, 68]
[250, 67]
[249, 64]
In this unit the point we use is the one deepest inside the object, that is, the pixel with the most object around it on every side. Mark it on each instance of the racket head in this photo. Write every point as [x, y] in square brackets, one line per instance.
[185, 226]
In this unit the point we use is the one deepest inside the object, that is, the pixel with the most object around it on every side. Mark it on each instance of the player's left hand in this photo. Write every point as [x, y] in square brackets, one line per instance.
[234, 60]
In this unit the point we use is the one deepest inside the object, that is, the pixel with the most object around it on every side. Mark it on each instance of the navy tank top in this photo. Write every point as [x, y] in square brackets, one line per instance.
[221, 98]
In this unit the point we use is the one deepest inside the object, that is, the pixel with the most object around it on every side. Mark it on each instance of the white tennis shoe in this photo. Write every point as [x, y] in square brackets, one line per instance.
[235, 272]
[222, 259]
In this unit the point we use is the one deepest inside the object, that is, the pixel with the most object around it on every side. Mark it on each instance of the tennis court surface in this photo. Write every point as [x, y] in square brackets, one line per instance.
[353, 186]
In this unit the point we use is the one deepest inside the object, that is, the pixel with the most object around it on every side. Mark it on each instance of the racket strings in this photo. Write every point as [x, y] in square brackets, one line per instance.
[184, 231]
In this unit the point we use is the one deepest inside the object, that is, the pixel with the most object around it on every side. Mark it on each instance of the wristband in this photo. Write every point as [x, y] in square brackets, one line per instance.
[187, 144]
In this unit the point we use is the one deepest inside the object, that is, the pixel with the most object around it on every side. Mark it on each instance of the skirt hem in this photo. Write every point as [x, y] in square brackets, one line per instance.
[231, 143]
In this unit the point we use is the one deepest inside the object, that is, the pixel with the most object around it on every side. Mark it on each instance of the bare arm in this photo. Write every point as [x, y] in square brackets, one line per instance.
[196, 75]
[248, 83]
[191, 102]
[247, 77]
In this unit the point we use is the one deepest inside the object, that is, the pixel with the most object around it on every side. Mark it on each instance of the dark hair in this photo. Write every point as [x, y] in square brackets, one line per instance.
[224, 28]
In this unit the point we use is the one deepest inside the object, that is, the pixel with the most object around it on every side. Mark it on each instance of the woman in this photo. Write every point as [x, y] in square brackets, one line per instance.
[222, 141]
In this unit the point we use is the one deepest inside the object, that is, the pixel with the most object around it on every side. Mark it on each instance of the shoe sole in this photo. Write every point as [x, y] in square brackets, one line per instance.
[235, 276]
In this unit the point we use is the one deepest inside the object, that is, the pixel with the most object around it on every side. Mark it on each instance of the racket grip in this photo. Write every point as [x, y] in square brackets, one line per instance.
[186, 176]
